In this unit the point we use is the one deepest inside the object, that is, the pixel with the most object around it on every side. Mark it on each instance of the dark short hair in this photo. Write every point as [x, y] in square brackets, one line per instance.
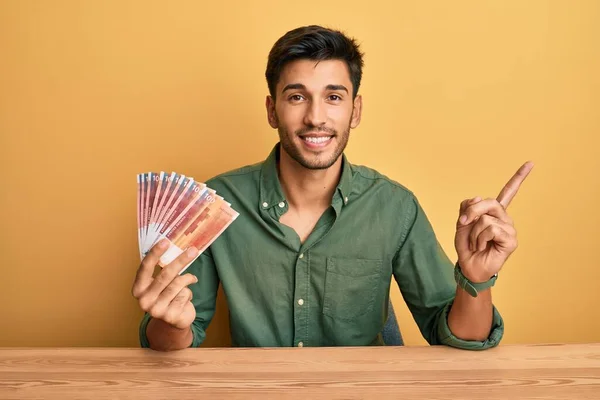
[314, 43]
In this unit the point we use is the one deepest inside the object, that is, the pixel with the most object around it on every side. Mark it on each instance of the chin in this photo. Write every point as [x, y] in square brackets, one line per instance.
[323, 161]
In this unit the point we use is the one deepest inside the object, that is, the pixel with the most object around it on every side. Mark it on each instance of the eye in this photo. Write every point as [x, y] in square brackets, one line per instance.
[296, 97]
[335, 97]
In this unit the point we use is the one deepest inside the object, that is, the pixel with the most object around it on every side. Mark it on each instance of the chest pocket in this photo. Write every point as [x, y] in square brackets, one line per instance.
[351, 286]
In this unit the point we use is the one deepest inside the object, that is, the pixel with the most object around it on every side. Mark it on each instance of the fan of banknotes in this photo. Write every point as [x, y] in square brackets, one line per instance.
[176, 207]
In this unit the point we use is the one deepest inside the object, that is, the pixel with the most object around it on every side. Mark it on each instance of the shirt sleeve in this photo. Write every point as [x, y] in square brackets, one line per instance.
[425, 276]
[204, 299]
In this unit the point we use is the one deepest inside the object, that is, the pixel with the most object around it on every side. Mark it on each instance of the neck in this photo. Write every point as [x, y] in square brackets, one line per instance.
[307, 189]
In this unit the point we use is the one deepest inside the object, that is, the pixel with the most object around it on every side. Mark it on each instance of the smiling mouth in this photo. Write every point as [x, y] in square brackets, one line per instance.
[317, 139]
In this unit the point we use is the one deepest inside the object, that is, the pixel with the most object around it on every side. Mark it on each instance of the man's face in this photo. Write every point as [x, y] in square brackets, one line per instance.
[314, 111]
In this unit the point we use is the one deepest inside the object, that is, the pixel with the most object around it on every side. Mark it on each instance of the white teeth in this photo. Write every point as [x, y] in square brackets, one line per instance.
[317, 139]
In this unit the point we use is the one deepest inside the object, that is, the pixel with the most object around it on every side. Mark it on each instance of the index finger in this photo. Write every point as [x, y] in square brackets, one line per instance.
[509, 190]
[143, 276]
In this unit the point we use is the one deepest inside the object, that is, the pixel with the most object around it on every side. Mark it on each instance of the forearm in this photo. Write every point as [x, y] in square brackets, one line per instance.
[470, 318]
[165, 337]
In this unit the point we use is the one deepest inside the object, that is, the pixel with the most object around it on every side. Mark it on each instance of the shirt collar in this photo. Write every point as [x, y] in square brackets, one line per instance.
[271, 193]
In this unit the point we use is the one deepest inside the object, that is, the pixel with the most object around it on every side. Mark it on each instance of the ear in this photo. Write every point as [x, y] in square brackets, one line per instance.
[271, 116]
[356, 112]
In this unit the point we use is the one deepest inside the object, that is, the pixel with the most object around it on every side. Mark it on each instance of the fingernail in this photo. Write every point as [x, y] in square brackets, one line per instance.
[463, 219]
[163, 243]
[192, 251]
[477, 199]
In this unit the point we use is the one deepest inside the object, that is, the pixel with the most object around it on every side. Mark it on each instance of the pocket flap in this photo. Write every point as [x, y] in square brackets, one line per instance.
[353, 266]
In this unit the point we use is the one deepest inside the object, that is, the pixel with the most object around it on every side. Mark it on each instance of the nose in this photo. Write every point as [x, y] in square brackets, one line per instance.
[316, 114]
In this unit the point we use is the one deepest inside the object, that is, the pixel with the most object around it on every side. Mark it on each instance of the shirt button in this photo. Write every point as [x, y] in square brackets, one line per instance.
[300, 344]
[345, 200]
[300, 301]
[301, 255]
[281, 205]
[265, 204]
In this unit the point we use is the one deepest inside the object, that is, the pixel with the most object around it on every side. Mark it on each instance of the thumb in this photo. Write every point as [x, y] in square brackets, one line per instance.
[466, 203]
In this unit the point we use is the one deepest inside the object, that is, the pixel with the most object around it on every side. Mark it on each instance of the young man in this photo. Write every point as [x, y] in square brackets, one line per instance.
[309, 261]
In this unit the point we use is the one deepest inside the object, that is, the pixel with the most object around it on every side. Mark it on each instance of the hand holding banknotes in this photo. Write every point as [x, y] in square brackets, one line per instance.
[178, 219]
[167, 296]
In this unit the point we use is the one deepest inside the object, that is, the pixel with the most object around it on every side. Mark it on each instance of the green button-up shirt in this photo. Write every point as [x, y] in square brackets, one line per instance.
[333, 289]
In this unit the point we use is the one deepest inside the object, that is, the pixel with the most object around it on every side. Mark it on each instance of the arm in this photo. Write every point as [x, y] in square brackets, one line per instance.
[425, 277]
[470, 318]
[485, 238]
[165, 337]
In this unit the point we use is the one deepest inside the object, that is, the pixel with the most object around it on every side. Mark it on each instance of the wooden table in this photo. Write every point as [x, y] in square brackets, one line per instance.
[506, 372]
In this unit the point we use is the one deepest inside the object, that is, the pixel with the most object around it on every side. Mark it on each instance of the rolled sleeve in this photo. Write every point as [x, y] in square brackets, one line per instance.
[446, 337]
[143, 326]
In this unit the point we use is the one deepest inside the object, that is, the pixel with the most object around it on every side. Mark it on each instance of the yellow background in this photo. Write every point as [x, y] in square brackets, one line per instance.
[456, 96]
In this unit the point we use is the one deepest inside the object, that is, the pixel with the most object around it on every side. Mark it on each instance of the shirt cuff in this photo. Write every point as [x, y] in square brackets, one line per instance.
[143, 325]
[447, 338]
[198, 334]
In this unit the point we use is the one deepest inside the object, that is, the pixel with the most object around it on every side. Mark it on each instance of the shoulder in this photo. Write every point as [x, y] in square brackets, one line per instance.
[366, 179]
[247, 175]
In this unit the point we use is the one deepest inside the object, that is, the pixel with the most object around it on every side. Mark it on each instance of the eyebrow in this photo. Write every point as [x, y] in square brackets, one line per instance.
[292, 86]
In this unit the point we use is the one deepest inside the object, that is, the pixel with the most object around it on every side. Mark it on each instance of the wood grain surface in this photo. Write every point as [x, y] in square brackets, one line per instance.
[507, 372]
